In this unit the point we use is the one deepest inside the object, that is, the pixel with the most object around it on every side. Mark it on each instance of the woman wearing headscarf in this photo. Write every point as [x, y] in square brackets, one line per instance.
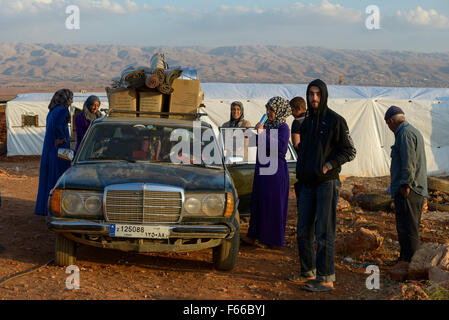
[269, 198]
[237, 121]
[83, 119]
[56, 136]
[237, 117]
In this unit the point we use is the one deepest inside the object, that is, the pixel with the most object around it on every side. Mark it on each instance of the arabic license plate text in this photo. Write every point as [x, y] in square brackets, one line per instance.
[139, 231]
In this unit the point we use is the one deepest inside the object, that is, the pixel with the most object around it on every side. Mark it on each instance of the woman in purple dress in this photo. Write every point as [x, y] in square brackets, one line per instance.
[269, 199]
[83, 119]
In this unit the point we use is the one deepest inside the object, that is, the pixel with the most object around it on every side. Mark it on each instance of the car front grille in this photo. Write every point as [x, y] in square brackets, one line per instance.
[142, 203]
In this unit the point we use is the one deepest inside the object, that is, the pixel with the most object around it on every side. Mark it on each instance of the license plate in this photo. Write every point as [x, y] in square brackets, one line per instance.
[139, 231]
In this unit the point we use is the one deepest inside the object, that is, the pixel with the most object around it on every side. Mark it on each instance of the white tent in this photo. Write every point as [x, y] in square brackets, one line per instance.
[362, 107]
[29, 140]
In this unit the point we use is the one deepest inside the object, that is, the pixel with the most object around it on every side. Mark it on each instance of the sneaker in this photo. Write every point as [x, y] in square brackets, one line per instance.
[317, 286]
[295, 278]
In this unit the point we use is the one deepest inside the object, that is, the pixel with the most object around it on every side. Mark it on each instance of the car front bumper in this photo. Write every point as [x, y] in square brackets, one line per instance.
[182, 237]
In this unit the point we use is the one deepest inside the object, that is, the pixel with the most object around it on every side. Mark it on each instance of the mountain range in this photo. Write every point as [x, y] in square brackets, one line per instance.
[47, 66]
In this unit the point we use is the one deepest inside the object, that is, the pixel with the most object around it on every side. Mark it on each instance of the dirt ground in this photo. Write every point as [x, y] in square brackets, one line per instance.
[259, 274]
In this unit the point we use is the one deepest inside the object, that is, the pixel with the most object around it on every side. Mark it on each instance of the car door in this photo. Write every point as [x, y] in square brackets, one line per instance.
[240, 160]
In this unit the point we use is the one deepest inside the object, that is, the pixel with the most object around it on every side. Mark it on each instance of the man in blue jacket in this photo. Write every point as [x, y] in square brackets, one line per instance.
[325, 146]
[408, 182]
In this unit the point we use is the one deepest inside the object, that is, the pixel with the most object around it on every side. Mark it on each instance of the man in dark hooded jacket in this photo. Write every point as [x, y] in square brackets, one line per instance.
[325, 146]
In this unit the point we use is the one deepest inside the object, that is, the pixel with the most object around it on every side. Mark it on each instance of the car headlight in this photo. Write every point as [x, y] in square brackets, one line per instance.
[71, 203]
[93, 204]
[200, 204]
[81, 203]
[213, 204]
[192, 205]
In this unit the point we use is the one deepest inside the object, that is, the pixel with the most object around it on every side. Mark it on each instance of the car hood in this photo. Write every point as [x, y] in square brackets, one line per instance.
[99, 175]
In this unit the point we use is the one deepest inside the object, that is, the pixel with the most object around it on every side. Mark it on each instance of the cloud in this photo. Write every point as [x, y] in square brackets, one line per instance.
[110, 6]
[34, 7]
[14, 7]
[238, 10]
[298, 12]
[173, 10]
[336, 10]
[304, 12]
[421, 17]
[305, 22]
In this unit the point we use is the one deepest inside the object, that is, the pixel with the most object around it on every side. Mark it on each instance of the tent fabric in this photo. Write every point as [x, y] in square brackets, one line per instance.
[363, 108]
[30, 140]
[267, 90]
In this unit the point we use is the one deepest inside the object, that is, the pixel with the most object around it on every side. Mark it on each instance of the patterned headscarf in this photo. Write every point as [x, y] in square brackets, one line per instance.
[235, 122]
[61, 98]
[282, 110]
[87, 108]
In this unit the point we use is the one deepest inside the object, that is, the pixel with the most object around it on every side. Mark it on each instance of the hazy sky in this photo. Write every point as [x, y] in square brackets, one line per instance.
[404, 24]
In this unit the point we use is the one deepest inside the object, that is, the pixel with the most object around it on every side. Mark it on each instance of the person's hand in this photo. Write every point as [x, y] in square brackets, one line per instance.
[59, 141]
[259, 127]
[326, 167]
[405, 191]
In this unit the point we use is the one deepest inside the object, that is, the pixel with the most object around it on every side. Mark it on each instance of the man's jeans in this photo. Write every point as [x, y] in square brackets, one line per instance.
[317, 208]
[408, 215]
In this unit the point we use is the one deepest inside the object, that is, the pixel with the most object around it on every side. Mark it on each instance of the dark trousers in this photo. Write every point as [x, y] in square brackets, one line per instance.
[317, 208]
[408, 216]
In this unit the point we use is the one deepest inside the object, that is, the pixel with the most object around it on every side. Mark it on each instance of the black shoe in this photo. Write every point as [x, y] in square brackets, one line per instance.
[247, 241]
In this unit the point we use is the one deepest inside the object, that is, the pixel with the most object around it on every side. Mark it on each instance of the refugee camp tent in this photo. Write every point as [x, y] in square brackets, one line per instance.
[362, 107]
[26, 119]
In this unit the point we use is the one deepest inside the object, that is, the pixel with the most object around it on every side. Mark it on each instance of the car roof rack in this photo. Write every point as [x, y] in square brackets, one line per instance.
[187, 116]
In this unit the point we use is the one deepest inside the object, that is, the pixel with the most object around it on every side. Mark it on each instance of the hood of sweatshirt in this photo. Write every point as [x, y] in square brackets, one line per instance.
[322, 107]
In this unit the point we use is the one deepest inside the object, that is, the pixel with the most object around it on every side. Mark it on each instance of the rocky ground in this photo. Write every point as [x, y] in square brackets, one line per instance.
[260, 273]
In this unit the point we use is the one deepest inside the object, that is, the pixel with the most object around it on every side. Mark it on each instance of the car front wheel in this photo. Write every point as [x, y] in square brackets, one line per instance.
[225, 255]
[65, 251]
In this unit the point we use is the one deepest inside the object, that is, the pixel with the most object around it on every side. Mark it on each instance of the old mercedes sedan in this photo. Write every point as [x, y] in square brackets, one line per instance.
[146, 185]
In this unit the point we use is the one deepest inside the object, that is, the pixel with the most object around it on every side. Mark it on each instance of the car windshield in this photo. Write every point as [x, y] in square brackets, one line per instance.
[150, 143]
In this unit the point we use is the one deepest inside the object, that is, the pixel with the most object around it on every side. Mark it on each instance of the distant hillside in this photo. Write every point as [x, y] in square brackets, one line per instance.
[43, 66]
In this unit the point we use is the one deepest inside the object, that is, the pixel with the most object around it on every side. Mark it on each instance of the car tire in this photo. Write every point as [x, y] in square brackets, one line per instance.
[65, 251]
[225, 255]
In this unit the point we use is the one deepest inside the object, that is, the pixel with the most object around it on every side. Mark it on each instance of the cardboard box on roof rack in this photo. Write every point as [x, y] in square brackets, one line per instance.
[151, 101]
[186, 96]
[123, 99]
[171, 90]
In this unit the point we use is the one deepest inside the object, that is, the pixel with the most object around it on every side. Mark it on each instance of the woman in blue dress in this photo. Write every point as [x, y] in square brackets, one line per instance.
[269, 198]
[56, 136]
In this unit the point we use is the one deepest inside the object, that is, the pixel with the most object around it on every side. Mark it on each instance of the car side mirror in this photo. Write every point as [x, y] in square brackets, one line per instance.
[66, 154]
